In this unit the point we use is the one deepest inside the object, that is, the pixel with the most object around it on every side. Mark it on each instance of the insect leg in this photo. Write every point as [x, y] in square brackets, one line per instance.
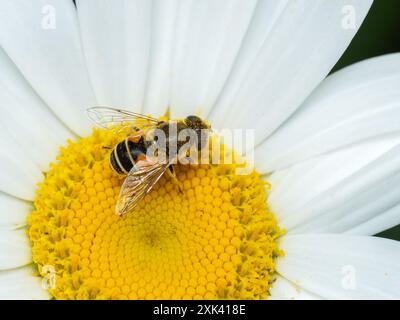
[171, 173]
[136, 137]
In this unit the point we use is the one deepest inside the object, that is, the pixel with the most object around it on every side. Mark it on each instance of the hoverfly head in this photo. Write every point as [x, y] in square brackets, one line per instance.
[201, 127]
[196, 123]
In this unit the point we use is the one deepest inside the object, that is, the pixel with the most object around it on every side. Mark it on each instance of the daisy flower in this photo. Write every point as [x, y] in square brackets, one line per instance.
[327, 154]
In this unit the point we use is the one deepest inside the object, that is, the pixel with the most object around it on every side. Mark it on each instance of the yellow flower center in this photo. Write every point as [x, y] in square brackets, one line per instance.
[216, 240]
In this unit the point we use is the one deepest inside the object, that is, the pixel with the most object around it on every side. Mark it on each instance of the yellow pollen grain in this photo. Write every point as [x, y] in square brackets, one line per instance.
[217, 240]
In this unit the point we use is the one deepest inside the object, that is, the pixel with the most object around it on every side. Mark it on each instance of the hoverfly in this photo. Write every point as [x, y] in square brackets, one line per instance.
[129, 157]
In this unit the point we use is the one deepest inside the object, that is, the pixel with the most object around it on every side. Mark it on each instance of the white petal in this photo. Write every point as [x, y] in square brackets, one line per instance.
[13, 212]
[26, 118]
[338, 191]
[116, 40]
[158, 89]
[21, 284]
[381, 222]
[15, 249]
[283, 289]
[208, 36]
[356, 103]
[289, 49]
[42, 38]
[18, 174]
[342, 266]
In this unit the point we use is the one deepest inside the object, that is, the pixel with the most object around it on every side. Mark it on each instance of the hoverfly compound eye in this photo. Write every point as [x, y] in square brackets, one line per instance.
[193, 119]
[195, 122]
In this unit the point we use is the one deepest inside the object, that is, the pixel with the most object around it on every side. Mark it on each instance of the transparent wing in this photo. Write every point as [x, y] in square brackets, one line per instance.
[107, 117]
[142, 177]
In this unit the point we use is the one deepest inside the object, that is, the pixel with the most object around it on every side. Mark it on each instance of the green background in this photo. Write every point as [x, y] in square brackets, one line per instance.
[379, 34]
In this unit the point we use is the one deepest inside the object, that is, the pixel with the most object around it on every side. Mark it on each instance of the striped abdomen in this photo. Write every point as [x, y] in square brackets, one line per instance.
[125, 155]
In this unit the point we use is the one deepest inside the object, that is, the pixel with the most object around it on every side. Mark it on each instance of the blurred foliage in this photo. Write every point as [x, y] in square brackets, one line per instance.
[379, 34]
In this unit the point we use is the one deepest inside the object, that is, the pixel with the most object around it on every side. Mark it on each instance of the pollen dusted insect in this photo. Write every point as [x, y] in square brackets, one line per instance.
[129, 157]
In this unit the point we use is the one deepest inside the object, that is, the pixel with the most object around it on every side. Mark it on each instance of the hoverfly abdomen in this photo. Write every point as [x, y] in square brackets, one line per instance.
[125, 155]
[114, 165]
